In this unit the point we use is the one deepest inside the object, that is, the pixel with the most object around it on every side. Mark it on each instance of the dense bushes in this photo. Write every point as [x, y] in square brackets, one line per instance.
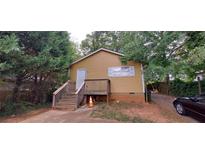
[10, 108]
[181, 88]
[177, 87]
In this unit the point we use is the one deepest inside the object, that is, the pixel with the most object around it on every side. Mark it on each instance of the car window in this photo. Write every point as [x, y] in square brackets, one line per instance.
[201, 99]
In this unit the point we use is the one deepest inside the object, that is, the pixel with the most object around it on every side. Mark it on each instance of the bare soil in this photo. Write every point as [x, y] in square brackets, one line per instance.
[81, 115]
[168, 111]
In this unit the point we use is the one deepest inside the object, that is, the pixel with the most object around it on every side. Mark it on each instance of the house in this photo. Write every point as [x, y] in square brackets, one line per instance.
[102, 74]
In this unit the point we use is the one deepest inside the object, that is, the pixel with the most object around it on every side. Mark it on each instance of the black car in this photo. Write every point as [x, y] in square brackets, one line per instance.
[194, 104]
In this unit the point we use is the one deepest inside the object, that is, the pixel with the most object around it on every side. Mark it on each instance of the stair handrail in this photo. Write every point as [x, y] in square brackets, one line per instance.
[59, 93]
[80, 94]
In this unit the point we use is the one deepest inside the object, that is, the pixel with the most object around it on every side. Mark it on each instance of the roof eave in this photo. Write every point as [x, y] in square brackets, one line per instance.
[120, 54]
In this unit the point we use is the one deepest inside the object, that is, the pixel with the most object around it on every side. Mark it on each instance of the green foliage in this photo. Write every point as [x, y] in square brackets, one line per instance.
[40, 58]
[1, 82]
[195, 39]
[101, 39]
[9, 54]
[154, 73]
[180, 54]
[9, 108]
[156, 50]
[181, 88]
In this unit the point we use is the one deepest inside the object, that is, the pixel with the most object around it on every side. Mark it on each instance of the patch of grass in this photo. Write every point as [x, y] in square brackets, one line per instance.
[113, 111]
[110, 115]
[140, 120]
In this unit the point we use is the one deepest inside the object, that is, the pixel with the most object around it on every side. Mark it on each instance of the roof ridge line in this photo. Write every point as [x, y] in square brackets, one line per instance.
[96, 51]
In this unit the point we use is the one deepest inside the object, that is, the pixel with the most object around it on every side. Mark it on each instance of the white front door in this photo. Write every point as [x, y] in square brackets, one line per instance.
[81, 75]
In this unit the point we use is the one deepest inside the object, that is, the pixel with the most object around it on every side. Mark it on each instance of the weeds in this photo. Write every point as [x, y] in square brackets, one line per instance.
[114, 111]
[9, 108]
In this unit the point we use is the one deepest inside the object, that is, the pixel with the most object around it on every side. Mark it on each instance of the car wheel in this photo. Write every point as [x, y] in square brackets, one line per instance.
[180, 109]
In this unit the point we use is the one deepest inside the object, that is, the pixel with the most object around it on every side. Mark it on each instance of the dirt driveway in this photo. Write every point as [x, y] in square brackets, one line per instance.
[164, 102]
[56, 116]
[160, 110]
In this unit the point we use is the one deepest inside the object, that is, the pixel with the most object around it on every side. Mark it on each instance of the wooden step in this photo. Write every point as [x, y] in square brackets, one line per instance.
[65, 108]
[68, 100]
[71, 92]
[68, 97]
[65, 103]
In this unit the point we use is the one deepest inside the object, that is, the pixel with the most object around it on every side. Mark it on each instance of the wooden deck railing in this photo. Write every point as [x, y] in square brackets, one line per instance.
[89, 87]
[80, 95]
[60, 92]
[97, 87]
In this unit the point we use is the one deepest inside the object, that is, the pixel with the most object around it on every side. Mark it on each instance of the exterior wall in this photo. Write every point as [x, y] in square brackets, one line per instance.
[97, 68]
[139, 97]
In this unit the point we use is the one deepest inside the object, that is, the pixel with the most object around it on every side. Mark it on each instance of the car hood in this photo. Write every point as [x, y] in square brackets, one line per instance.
[184, 97]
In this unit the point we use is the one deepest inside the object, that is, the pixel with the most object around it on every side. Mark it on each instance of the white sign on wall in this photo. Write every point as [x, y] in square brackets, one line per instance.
[121, 71]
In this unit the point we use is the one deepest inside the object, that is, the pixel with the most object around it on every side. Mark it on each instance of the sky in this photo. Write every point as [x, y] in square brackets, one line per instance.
[78, 36]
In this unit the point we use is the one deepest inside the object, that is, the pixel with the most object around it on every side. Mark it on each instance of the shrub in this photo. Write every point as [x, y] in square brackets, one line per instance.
[10, 108]
[181, 88]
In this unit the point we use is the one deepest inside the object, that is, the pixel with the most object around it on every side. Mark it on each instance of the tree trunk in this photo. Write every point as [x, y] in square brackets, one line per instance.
[167, 83]
[15, 95]
[35, 89]
[199, 85]
[38, 90]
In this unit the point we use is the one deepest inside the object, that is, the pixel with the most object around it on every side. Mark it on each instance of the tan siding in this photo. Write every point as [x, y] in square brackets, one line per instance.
[97, 67]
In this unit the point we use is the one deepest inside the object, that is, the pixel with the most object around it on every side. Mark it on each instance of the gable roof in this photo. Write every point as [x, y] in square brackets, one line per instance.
[101, 49]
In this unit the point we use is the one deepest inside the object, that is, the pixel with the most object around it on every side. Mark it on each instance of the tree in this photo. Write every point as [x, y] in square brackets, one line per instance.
[38, 58]
[101, 39]
[193, 60]
[196, 56]
[11, 61]
[158, 51]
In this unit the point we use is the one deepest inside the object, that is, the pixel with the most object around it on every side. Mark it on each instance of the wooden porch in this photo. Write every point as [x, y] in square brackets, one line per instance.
[67, 96]
[99, 87]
